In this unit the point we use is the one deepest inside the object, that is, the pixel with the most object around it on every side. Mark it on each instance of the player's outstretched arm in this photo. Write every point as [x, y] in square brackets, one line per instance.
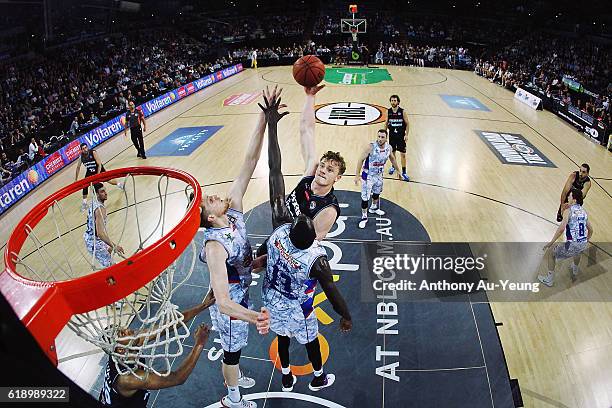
[322, 272]
[129, 384]
[585, 190]
[216, 255]
[307, 128]
[241, 183]
[280, 214]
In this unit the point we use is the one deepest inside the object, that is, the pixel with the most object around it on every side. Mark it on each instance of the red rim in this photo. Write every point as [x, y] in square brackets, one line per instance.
[46, 307]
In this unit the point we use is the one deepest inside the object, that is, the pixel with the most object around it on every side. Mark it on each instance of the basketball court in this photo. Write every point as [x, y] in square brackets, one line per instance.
[450, 348]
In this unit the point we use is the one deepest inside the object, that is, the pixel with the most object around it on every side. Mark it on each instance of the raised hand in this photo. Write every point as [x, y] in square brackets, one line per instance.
[313, 89]
[272, 102]
[201, 335]
[209, 300]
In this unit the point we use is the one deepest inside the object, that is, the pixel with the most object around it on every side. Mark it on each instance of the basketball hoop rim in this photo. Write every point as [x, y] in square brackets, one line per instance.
[35, 301]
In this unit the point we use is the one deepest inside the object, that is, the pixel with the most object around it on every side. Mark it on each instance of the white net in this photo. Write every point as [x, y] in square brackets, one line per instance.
[144, 331]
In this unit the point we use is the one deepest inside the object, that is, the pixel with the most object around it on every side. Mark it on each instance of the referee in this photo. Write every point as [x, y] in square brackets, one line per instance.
[134, 119]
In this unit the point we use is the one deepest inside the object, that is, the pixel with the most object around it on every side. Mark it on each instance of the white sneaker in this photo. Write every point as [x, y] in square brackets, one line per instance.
[227, 403]
[83, 206]
[363, 222]
[548, 279]
[375, 210]
[246, 382]
[120, 186]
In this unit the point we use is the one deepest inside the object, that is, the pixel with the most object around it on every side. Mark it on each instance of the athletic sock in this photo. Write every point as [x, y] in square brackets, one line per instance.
[233, 393]
[404, 170]
[318, 373]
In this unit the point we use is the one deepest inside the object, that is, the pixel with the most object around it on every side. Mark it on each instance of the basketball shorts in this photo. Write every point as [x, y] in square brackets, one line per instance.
[291, 322]
[569, 249]
[91, 173]
[372, 185]
[99, 249]
[234, 333]
[397, 143]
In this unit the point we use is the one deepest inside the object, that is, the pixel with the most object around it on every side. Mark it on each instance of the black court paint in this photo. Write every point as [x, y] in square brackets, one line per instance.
[436, 358]
[513, 148]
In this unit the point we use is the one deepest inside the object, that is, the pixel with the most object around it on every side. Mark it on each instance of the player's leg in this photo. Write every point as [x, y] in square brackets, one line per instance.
[401, 147]
[366, 190]
[233, 335]
[288, 379]
[377, 187]
[560, 251]
[85, 193]
[578, 250]
[321, 379]
[135, 141]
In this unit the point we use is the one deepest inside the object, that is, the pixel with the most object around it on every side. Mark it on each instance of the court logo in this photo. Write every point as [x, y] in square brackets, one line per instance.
[512, 148]
[241, 99]
[350, 113]
[464, 102]
[183, 141]
[356, 76]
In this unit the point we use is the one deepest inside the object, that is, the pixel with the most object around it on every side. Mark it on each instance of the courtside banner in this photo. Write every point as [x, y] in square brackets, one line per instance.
[527, 98]
[31, 178]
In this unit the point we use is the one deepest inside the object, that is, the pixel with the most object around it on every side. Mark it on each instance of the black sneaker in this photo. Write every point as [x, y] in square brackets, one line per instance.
[289, 381]
[322, 381]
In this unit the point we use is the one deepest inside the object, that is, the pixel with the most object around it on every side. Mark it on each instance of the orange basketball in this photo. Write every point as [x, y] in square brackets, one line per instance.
[308, 71]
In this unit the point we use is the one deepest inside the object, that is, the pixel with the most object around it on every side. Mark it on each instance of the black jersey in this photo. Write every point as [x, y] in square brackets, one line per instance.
[396, 125]
[579, 184]
[110, 397]
[303, 201]
[89, 161]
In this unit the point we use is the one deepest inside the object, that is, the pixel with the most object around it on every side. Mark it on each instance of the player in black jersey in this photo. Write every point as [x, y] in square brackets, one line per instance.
[398, 127]
[299, 260]
[579, 180]
[314, 194]
[128, 390]
[93, 165]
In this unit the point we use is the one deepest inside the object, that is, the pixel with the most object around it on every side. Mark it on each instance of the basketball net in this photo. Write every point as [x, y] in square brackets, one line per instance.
[142, 331]
[354, 33]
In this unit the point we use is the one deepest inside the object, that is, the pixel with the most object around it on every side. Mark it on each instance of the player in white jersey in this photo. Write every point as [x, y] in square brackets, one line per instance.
[578, 232]
[96, 238]
[227, 252]
[296, 263]
[369, 170]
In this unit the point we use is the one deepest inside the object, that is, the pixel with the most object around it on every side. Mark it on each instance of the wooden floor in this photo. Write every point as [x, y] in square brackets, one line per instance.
[560, 351]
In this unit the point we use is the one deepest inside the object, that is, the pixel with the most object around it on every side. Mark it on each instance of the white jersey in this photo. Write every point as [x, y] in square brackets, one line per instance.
[235, 241]
[90, 232]
[576, 228]
[374, 164]
[287, 282]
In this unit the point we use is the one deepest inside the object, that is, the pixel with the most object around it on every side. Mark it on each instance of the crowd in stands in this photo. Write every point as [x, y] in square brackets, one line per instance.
[549, 65]
[61, 95]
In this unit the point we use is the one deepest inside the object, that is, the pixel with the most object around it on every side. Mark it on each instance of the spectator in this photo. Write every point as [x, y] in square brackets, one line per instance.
[74, 126]
[33, 150]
